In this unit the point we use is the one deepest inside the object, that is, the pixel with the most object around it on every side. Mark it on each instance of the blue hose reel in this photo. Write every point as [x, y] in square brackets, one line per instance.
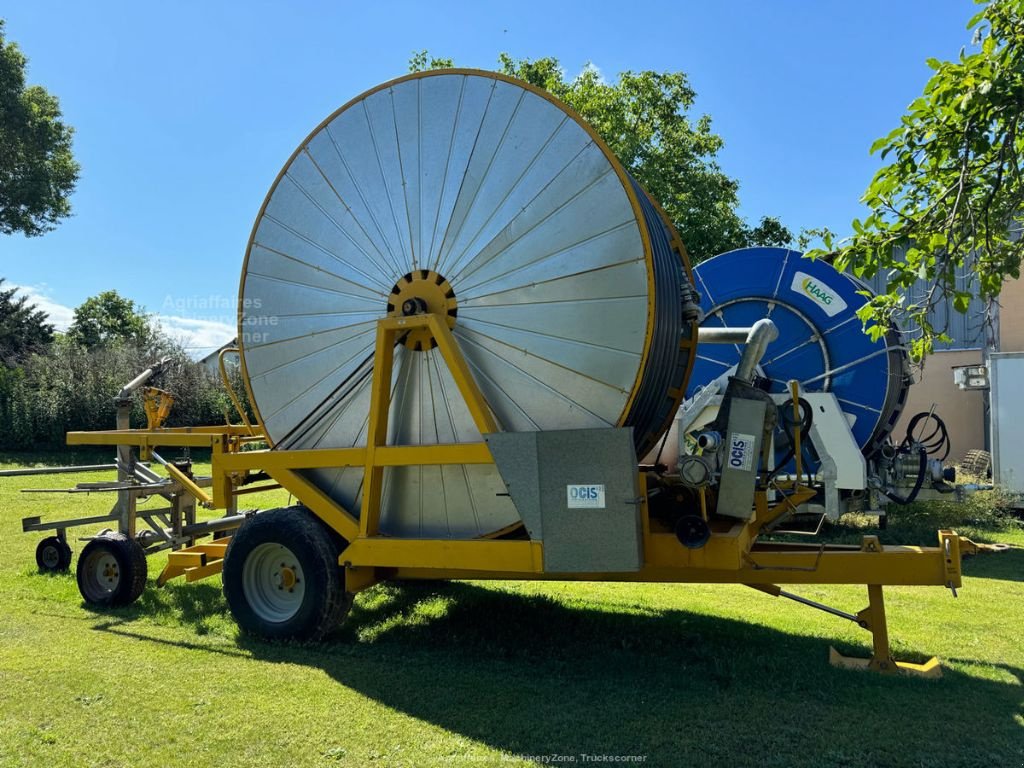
[821, 340]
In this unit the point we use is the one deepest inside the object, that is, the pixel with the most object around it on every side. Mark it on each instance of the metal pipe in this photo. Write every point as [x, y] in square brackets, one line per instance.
[142, 378]
[820, 606]
[55, 470]
[762, 333]
[257, 489]
[35, 524]
[777, 591]
[218, 524]
[186, 482]
[226, 381]
[722, 335]
[756, 339]
[139, 488]
[144, 473]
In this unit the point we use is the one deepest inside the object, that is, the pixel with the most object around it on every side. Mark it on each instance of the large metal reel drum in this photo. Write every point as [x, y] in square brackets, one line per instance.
[821, 341]
[485, 200]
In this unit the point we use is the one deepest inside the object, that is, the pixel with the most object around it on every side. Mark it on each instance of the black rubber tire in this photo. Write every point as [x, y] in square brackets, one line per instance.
[324, 602]
[977, 462]
[53, 555]
[125, 585]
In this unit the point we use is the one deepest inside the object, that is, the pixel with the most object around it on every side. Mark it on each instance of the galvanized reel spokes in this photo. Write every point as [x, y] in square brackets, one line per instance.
[481, 199]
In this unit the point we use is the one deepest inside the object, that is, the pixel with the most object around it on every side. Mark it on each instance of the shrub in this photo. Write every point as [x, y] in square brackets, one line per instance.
[71, 388]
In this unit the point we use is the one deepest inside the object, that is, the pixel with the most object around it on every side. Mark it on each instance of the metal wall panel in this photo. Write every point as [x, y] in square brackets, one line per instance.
[966, 330]
[1006, 371]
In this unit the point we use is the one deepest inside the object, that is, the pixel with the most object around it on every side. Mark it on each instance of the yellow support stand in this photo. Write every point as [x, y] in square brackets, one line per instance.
[195, 562]
[872, 619]
[388, 331]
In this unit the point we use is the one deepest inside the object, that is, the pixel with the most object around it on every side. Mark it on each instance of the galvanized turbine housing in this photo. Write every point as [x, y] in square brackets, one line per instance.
[484, 200]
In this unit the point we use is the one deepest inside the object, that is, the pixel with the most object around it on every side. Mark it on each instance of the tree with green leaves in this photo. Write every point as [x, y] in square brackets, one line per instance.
[109, 319]
[950, 199]
[37, 169]
[645, 119]
[23, 326]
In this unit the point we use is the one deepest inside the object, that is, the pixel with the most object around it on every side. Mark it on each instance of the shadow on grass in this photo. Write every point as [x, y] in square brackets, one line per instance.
[529, 675]
[1007, 565]
[192, 605]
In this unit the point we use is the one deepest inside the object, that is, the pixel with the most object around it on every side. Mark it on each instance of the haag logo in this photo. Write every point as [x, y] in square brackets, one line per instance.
[817, 292]
[829, 300]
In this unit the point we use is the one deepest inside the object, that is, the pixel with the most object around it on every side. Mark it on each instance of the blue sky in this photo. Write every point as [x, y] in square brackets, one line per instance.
[186, 111]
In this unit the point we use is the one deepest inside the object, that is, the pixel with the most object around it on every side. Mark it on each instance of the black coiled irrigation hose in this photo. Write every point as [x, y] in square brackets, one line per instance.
[935, 441]
[929, 445]
[922, 467]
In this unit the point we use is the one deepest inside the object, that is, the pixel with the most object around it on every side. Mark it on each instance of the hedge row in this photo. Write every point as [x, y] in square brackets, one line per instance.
[72, 388]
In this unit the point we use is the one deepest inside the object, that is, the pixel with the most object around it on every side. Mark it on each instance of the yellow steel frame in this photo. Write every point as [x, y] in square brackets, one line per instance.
[195, 562]
[226, 381]
[157, 404]
[732, 555]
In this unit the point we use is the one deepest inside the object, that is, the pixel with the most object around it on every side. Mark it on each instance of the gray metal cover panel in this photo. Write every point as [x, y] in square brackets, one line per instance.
[515, 455]
[507, 196]
[736, 488]
[538, 467]
[1006, 372]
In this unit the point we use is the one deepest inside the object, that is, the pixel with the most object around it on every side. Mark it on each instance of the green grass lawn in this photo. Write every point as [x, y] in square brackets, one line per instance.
[506, 673]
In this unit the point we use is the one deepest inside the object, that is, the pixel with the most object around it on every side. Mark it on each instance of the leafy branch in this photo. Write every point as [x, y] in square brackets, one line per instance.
[948, 209]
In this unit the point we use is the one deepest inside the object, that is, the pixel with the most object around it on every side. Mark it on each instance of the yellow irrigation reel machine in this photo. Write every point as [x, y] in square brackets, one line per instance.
[461, 323]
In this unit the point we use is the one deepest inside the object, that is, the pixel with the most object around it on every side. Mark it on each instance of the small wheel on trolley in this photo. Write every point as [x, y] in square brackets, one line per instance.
[692, 531]
[53, 555]
[111, 570]
[281, 576]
